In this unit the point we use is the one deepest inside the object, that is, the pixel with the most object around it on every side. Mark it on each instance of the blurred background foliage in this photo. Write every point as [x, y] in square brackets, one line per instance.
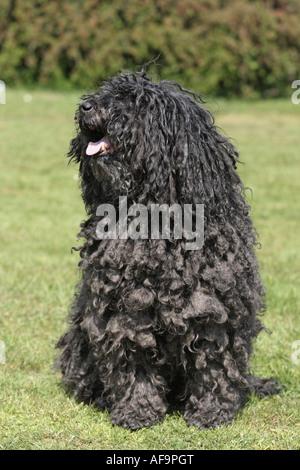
[230, 48]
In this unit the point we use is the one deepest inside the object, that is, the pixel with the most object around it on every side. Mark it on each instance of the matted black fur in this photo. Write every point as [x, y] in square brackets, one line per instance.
[155, 325]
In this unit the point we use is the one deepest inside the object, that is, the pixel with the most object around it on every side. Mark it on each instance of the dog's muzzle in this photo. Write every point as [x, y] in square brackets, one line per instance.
[99, 147]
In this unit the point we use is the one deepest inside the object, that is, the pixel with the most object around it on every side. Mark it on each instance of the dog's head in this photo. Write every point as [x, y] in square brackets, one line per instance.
[151, 142]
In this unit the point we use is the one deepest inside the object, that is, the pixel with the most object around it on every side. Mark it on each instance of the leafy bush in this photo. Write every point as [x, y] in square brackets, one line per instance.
[221, 47]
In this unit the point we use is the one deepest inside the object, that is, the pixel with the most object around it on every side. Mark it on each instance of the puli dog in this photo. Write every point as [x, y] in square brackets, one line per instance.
[156, 326]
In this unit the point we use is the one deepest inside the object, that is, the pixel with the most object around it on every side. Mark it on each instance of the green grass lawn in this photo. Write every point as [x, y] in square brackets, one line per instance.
[40, 214]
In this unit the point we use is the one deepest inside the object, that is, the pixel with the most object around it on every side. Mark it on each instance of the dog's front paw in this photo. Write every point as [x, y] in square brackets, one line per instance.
[203, 420]
[210, 411]
[133, 418]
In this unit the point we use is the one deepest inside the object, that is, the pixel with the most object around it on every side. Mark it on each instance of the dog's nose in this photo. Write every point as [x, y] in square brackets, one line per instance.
[86, 107]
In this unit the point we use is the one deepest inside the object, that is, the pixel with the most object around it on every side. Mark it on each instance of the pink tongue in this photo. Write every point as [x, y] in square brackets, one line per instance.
[102, 145]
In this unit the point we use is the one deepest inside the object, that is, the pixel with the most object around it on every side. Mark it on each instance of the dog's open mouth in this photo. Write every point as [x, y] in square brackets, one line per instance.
[102, 147]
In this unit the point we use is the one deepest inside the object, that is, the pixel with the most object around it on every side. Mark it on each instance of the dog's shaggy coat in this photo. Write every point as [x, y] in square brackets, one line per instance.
[153, 324]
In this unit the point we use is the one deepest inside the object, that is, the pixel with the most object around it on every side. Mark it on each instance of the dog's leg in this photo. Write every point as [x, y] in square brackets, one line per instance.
[213, 398]
[78, 366]
[136, 392]
[142, 406]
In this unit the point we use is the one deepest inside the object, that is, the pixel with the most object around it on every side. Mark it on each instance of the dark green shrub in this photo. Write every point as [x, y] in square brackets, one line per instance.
[229, 47]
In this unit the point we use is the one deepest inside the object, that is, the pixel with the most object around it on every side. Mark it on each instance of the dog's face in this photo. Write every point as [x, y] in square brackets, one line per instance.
[102, 151]
[126, 131]
[148, 141]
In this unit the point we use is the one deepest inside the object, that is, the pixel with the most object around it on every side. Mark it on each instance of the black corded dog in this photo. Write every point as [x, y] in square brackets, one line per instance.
[155, 324]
